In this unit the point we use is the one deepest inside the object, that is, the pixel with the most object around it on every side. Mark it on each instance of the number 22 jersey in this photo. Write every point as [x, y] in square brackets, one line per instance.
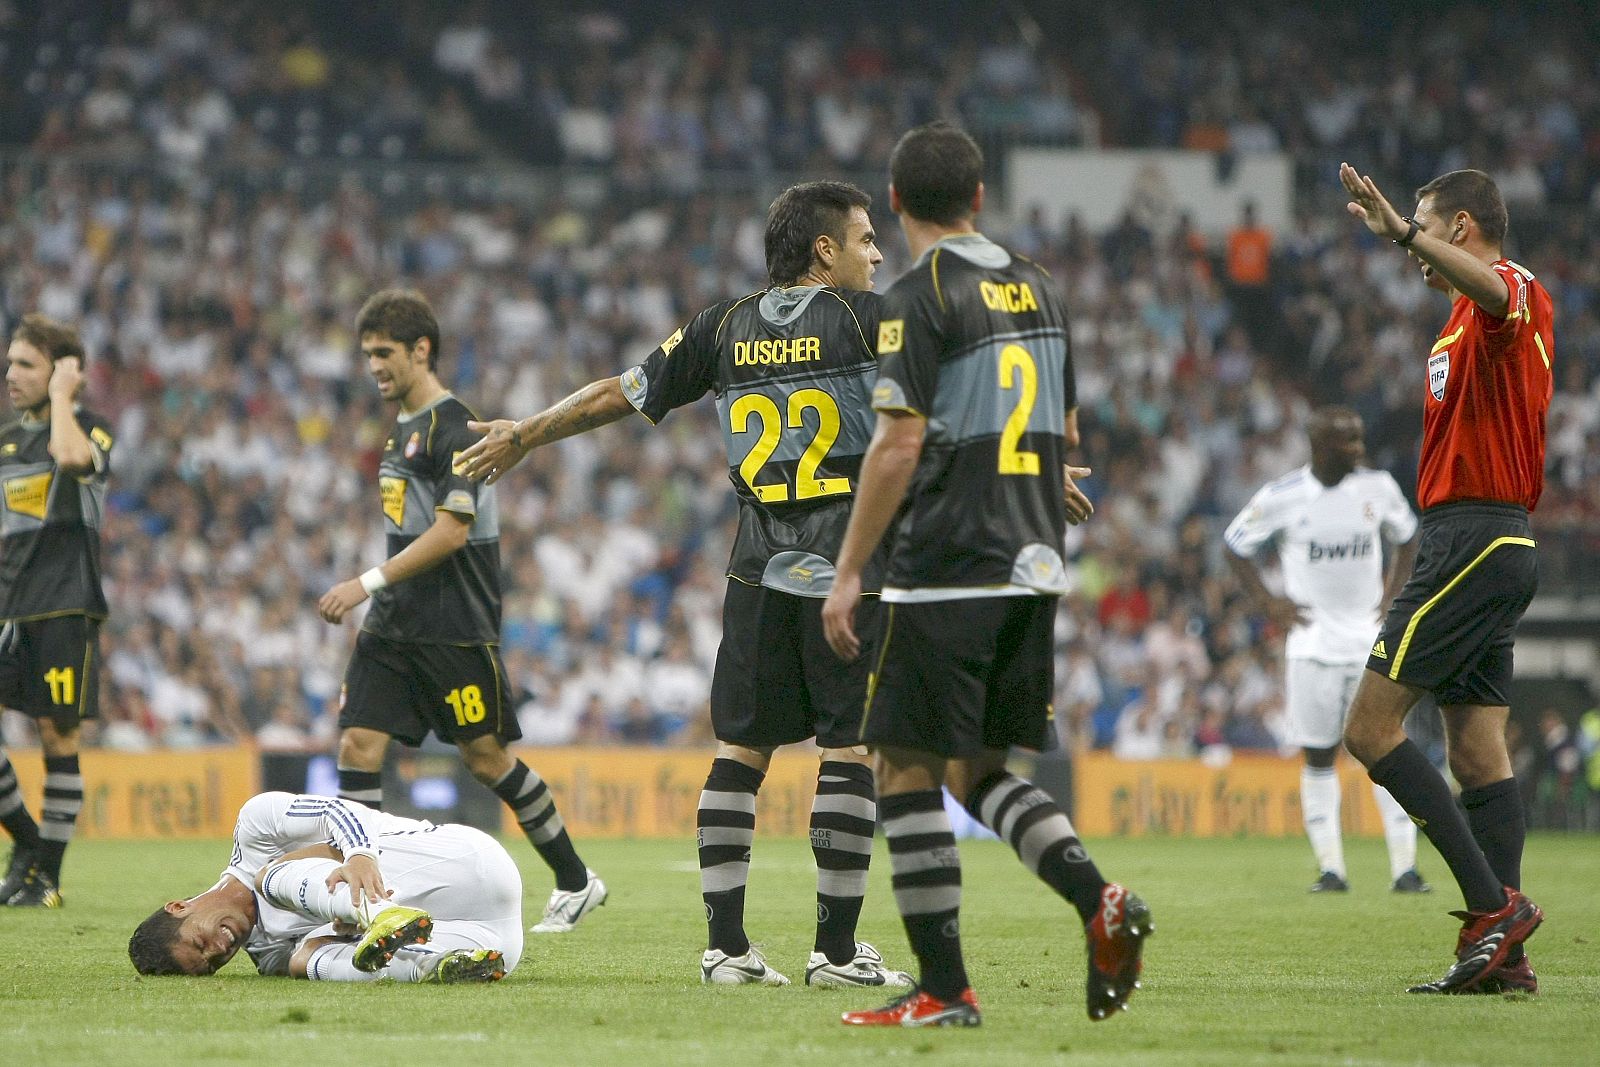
[792, 371]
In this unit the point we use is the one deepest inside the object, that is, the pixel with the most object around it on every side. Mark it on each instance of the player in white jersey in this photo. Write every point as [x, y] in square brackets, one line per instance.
[1330, 522]
[324, 889]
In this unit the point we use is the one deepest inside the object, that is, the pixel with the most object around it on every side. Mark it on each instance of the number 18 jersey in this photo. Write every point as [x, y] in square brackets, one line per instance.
[792, 370]
[975, 340]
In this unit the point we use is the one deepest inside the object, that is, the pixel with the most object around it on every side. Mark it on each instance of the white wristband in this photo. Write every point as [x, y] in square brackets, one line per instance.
[373, 580]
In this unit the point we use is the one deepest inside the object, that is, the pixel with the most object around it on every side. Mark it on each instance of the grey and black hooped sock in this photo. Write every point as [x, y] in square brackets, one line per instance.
[361, 787]
[927, 886]
[63, 799]
[13, 812]
[1041, 834]
[531, 803]
[725, 826]
[844, 816]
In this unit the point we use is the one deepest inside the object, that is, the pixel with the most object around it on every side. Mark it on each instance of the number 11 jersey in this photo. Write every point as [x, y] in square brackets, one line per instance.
[792, 370]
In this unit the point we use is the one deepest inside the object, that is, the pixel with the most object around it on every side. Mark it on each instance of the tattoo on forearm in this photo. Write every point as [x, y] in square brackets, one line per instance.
[576, 414]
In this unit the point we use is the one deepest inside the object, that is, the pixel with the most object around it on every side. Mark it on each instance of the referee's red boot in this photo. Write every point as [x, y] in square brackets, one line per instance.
[1486, 940]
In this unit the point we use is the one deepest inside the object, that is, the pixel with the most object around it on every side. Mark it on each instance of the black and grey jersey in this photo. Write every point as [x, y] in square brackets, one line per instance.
[792, 371]
[975, 339]
[50, 528]
[458, 601]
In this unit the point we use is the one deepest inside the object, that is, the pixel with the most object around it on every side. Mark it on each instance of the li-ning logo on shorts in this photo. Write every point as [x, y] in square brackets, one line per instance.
[1438, 373]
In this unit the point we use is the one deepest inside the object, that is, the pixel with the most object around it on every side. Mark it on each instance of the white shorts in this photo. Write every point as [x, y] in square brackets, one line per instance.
[1318, 697]
[462, 877]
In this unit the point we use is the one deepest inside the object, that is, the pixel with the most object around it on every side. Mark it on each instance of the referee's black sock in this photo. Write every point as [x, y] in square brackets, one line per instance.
[1030, 822]
[362, 787]
[1421, 790]
[1494, 813]
[13, 813]
[927, 886]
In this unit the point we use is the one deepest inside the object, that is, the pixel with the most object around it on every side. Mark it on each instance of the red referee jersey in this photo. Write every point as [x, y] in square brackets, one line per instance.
[1489, 385]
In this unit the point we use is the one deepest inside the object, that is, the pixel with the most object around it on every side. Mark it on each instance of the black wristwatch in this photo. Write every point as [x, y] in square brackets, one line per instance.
[1411, 231]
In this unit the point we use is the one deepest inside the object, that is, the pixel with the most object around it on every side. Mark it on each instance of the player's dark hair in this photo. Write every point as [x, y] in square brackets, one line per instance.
[402, 315]
[150, 947]
[1474, 192]
[800, 215]
[55, 339]
[936, 169]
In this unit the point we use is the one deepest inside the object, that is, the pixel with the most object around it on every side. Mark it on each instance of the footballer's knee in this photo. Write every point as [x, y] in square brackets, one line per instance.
[361, 749]
[758, 758]
[487, 760]
[857, 754]
[1367, 741]
[56, 742]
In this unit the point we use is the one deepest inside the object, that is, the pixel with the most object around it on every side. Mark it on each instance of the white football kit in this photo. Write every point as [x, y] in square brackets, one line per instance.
[1330, 542]
[462, 877]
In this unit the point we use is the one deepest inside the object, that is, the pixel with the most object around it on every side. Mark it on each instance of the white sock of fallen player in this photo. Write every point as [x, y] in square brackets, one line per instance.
[301, 885]
[334, 963]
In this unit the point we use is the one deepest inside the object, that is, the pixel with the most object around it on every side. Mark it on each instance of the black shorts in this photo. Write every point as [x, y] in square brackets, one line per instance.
[50, 669]
[777, 681]
[1450, 629]
[955, 677]
[405, 689]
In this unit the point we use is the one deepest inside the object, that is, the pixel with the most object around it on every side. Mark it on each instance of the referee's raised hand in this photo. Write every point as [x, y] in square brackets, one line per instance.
[1369, 205]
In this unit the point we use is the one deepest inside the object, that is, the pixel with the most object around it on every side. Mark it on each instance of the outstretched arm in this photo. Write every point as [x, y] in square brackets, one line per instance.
[1466, 273]
[505, 443]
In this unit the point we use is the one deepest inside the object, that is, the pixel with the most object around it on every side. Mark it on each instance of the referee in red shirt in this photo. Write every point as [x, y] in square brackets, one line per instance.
[1450, 630]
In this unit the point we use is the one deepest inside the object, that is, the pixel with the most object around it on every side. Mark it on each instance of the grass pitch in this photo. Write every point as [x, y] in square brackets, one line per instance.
[1244, 968]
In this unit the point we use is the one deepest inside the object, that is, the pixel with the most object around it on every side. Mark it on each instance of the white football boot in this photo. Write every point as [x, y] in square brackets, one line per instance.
[866, 969]
[564, 909]
[719, 968]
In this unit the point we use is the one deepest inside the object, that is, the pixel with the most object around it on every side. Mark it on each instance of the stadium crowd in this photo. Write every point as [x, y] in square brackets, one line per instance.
[217, 313]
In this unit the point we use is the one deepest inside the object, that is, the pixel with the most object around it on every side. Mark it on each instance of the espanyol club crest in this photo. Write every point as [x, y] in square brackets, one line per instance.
[1438, 373]
[414, 445]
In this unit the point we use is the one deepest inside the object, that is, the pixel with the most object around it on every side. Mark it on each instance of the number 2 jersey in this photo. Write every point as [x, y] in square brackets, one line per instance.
[792, 370]
[458, 601]
[974, 339]
[50, 528]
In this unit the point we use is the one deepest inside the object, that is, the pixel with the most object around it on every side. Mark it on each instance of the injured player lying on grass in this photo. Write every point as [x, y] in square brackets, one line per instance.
[319, 888]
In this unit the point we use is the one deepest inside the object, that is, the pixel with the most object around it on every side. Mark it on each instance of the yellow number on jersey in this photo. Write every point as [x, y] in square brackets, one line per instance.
[807, 485]
[1017, 363]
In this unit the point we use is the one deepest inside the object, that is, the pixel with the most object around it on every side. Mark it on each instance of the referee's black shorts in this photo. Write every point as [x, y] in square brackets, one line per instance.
[1450, 630]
